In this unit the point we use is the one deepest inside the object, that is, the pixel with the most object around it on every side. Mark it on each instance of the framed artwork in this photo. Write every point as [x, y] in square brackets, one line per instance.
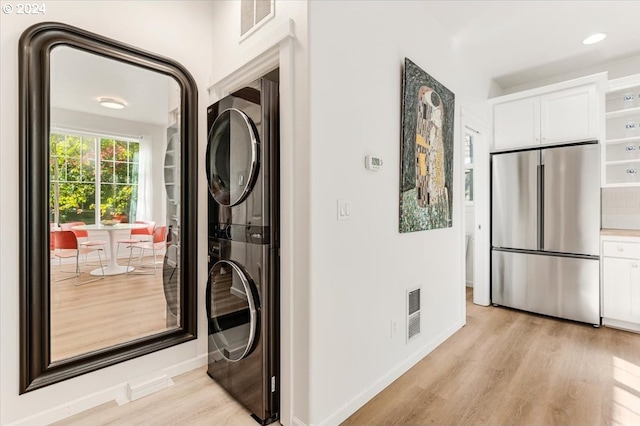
[426, 169]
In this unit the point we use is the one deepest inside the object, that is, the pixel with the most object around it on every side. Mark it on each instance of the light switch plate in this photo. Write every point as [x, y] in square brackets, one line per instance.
[344, 210]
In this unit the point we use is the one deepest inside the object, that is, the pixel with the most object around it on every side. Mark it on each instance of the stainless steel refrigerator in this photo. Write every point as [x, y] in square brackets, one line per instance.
[545, 213]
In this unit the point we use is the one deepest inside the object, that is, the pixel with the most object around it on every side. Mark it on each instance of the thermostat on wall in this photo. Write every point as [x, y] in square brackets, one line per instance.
[372, 163]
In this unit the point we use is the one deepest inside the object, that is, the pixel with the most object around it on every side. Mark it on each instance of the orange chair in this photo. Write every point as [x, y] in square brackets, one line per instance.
[66, 246]
[81, 235]
[139, 235]
[158, 243]
[52, 245]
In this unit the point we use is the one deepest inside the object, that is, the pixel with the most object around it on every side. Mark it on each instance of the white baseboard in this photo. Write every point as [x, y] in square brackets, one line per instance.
[186, 366]
[352, 406]
[297, 422]
[623, 325]
[118, 393]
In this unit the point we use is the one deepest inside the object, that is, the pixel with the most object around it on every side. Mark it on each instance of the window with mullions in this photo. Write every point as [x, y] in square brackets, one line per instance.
[92, 178]
[119, 163]
[468, 167]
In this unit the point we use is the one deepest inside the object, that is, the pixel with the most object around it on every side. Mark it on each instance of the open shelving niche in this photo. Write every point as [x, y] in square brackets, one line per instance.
[621, 154]
[172, 180]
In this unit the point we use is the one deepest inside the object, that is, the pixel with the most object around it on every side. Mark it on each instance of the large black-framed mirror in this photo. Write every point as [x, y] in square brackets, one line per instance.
[85, 175]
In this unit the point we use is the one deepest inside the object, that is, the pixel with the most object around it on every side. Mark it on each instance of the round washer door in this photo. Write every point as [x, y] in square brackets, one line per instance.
[232, 157]
[233, 318]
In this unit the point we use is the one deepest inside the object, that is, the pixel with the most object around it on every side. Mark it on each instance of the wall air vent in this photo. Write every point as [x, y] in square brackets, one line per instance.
[254, 12]
[413, 313]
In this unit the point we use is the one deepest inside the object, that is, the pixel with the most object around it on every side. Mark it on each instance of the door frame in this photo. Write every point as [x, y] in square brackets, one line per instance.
[481, 194]
[277, 49]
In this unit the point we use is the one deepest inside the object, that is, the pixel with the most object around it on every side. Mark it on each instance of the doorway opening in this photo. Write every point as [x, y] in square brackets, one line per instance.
[469, 140]
[476, 211]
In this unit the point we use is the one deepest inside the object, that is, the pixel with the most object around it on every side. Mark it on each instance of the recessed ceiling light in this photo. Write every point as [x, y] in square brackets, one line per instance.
[111, 103]
[594, 38]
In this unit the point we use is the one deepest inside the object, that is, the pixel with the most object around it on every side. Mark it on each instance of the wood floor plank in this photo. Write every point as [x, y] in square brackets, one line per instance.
[506, 367]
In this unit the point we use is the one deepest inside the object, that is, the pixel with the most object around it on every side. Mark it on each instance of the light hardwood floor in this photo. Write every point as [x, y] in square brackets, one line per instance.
[511, 368]
[503, 368]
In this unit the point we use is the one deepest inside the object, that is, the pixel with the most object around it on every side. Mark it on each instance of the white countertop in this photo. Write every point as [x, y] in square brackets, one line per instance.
[608, 232]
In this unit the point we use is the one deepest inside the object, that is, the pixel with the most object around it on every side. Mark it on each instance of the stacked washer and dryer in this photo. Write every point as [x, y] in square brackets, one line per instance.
[242, 299]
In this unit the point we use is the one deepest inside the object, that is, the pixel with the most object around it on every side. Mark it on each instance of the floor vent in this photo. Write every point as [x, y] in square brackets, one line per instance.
[147, 384]
[413, 313]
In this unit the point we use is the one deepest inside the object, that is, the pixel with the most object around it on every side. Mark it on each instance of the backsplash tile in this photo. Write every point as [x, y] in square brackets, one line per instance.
[621, 208]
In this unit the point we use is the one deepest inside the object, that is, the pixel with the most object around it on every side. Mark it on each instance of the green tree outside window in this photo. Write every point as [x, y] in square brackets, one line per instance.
[73, 179]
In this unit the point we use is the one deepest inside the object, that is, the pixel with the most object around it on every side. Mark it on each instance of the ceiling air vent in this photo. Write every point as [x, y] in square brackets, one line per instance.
[413, 313]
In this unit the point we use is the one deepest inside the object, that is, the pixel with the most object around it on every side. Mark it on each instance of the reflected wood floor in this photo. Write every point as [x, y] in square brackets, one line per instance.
[512, 368]
[503, 368]
[99, 314]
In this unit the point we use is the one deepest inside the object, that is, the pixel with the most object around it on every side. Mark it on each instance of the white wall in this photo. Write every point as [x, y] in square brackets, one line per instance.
[361, 269]
[180, 30]
[615, 69]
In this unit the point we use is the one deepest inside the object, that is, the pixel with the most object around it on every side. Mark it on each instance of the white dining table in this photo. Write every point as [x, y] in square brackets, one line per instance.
[112, 268]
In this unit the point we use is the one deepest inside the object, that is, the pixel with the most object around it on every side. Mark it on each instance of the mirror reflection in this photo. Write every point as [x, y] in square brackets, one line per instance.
[114, 202]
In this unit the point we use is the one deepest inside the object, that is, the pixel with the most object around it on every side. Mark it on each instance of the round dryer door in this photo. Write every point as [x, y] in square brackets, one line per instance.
[232, 157]
[231, 306]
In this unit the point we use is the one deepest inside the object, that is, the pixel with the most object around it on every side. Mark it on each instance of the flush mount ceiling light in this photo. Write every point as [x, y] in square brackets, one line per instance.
[112, 103]
[594, 38]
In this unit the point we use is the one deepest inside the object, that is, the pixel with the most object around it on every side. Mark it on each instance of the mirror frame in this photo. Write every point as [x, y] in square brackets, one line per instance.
[35, 46]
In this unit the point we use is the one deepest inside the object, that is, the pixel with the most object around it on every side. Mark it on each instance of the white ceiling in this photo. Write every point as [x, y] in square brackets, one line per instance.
[79, 78]
[519, 42]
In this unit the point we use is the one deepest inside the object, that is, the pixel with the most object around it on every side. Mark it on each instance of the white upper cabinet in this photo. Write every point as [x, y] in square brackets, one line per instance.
[517, 123]
[569, 115]
[560, 113]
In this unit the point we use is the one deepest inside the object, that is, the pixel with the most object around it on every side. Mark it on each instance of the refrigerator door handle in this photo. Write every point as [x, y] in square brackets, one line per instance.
[541, 207]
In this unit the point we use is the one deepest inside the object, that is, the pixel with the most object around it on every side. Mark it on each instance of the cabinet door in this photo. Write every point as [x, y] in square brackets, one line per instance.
[569, 115]
[517, 123]
[621, 289]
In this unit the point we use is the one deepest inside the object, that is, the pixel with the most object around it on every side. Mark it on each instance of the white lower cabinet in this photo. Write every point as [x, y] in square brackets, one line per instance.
[621, 284]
